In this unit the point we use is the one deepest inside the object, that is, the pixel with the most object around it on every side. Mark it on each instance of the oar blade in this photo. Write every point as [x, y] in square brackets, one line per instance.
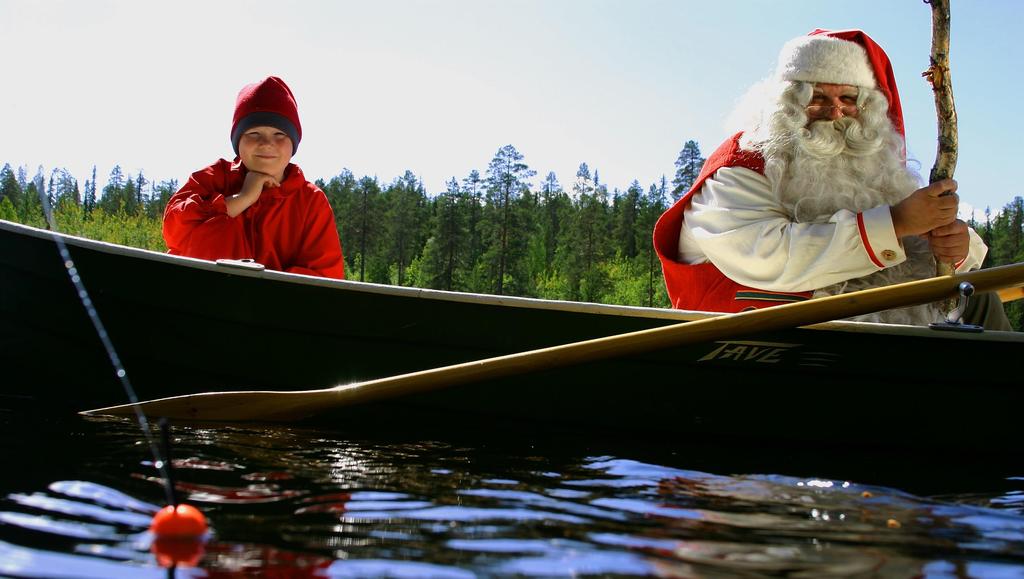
[229, 406]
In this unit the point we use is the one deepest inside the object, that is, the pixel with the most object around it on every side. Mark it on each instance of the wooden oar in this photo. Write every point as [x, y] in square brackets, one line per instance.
[1011, 294]
[284, 406]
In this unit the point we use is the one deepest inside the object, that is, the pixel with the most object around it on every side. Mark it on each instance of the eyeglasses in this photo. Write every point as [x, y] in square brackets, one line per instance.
[826, 110]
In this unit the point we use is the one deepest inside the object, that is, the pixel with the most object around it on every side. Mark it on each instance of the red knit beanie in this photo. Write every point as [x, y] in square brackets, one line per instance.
[267, 103]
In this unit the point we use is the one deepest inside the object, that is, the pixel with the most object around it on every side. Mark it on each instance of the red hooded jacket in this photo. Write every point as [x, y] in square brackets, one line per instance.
[703, 286]
[289, 228]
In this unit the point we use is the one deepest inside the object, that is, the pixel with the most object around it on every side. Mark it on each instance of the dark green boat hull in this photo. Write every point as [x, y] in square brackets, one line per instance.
[182, 326]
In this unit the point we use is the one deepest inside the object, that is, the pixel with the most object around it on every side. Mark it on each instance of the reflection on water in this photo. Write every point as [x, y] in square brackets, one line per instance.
[287, 502]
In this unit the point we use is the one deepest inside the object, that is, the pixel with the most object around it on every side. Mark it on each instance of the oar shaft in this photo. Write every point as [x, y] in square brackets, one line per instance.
[1011, 294]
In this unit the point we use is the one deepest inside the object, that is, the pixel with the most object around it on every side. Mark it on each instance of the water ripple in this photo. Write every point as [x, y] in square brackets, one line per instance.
[79, 509]
[308, 503]
[16, 561]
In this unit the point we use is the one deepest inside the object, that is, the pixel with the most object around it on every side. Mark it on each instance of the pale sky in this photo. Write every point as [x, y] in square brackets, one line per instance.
[437, 87]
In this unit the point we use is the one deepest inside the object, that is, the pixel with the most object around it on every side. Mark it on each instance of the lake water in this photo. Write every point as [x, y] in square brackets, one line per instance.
[77, 496]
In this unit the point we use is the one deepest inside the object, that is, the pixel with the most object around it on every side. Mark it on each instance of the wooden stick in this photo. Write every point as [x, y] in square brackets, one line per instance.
[942, 88]
[295, 405]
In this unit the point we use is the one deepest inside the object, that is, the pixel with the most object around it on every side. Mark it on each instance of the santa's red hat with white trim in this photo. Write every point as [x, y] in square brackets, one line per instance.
[841, 57]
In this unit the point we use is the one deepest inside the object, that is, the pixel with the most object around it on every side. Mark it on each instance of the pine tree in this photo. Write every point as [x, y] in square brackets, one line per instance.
[343, 195]
[1008, 233]
[9, 187]
[1004, 235]
[473, 197]
[62, 188]
[140, 197]
[161, 193]
[51, 188]
[443, 255]
[556, 206]
[405, 219]
[585, 242]
[127, 198]
[31, 210]
[89, 201]
[111, 202]
[626, 211]
[584, 184]
[507, 181]
[358, 209]
[688, 167]
[7, 210]
[39, 180]
[370, 231]
[452, 230]
[652, 205]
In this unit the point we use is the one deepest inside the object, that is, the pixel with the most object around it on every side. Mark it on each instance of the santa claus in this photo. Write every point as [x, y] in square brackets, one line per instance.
[814, 196]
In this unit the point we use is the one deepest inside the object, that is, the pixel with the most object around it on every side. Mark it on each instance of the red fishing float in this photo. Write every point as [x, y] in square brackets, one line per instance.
[180, 521]
[179, 531]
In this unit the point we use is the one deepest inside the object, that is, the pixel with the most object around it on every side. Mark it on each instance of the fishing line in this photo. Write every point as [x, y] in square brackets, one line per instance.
[76, 279]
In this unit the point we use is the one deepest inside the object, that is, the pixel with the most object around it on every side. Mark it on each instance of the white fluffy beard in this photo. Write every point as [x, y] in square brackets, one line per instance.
[852, 164]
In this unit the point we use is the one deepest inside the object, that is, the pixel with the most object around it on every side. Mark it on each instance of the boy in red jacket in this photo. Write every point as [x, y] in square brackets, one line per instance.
[260, 206]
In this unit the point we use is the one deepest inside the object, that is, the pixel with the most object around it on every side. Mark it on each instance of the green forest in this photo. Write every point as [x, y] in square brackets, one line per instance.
[496, 232]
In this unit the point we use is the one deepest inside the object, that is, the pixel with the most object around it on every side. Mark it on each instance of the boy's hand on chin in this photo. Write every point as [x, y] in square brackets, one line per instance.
[255, 182]
[253, 185]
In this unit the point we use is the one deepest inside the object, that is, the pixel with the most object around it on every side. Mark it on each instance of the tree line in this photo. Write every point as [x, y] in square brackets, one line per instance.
[496, 232]
[1003, 233]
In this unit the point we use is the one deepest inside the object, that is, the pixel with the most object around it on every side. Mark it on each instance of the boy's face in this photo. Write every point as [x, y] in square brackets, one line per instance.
[265, 150]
